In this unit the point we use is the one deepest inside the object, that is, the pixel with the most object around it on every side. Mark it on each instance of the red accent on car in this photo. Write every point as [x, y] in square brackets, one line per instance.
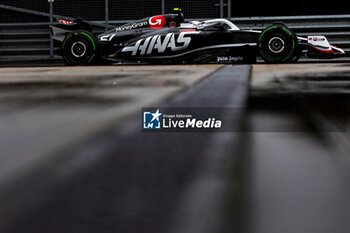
[157, 22]
[172, 24]
[323, 51]
[188, 30]
[64, 21]
[317, 39]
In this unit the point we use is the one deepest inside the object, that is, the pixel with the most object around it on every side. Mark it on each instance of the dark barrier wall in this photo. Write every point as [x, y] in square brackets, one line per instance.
[135, 9]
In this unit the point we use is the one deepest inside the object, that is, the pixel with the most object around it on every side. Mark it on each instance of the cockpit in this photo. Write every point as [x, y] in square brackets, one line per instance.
[212, 25]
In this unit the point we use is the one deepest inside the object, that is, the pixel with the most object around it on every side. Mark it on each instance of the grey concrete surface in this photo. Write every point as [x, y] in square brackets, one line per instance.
[46, 112]
[45, 109]
[298, 176]
[138, 182]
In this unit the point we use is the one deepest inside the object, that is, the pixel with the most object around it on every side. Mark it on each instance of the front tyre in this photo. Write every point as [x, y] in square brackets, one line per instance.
[278, 44]
[80, 48]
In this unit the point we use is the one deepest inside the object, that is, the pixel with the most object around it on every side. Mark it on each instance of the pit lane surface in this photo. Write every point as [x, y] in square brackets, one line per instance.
[44, 109]
[299, 148]
[74, 158]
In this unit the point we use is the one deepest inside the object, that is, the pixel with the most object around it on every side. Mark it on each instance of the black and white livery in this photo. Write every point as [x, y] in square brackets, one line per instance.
[167, 39]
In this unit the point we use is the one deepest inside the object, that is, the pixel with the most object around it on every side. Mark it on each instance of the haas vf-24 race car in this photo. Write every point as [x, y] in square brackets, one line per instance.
[166, 39]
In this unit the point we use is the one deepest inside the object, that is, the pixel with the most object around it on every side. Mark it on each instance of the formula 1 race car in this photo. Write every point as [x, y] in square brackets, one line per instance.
[166, 39]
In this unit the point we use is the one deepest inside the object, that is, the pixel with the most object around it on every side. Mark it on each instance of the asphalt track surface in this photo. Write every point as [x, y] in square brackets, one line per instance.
[74, 157]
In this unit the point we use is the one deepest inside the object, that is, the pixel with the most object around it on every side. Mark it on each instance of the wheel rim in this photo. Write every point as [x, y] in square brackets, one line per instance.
[276, 45]
[78, 49]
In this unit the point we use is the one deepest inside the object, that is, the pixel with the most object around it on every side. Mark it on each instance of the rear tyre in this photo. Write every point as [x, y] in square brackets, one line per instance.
[80, 48]
[278, 44]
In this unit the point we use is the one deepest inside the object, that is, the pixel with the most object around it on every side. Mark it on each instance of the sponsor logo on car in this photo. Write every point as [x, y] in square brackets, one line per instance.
[132, 26]
[229, 59]
[317, 38]
[67, 22]
[110, 37]
[157, 22]
[156, 44]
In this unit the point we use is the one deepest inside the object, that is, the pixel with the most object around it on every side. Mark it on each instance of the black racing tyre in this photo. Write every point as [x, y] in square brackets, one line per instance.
[80, 48]
[278, 44]
[297, 56]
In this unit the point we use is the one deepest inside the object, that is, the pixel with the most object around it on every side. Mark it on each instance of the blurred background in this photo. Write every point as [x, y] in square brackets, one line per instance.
[136, 9]
[25, 32]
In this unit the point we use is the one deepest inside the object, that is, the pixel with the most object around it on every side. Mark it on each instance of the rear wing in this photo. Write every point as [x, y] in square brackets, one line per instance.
[64, 27]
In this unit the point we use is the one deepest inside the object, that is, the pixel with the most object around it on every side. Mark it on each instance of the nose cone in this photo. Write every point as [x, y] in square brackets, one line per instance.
[338, 51]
